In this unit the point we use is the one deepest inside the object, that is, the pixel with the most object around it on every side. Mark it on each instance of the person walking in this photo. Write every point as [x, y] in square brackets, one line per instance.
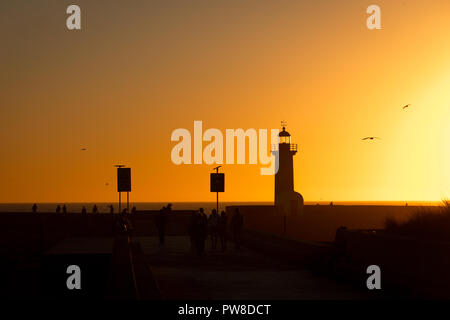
[192, 232]
[201, 231]
[213, 222]
[222, 230]
[161, 224]
[129, 226]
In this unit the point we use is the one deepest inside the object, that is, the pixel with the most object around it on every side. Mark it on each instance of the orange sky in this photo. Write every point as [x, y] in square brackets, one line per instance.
[140, 69]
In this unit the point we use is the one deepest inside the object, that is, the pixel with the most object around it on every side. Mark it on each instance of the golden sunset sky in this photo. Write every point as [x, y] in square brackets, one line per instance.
[140, 69]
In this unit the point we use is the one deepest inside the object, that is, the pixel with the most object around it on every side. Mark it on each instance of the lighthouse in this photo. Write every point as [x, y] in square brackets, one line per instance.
[287, 200]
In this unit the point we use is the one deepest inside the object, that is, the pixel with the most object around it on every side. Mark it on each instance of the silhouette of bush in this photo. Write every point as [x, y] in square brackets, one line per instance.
[425, 224]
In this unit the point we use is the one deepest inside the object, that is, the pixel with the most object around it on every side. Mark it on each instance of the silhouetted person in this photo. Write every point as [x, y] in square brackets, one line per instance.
[64, 209]
[201, 231]
[34, 208]
[192, 231]
[237, 222]
[125, 224]
[331, 203]
[161, 221]
[58, 209]
[111, 209]
[133, 210]
[95, 209]
[339, 252]
[121, 222]
[204, 216]
[129, 225]
[213, 222]
[83, 211]
[222, 230]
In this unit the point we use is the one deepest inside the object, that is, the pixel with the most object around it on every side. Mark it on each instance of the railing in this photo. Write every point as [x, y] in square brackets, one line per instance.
[292, 147]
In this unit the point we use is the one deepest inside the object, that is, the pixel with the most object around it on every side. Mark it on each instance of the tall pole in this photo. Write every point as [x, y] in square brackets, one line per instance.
[214, 183]
[128, 202]
[118, 166]
[217, 194]
[120, 203]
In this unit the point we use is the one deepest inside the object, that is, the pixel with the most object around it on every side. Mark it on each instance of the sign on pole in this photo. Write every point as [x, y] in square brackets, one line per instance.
[123, 179]
[217, 182]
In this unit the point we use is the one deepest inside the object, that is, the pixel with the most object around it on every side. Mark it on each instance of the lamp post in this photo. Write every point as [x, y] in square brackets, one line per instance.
[217, 184]
[123, 184]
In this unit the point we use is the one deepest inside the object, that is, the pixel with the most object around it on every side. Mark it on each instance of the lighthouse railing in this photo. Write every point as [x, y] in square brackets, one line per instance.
[292, 147]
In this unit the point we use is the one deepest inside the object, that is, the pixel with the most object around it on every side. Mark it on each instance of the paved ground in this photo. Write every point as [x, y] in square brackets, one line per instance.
[234, 274]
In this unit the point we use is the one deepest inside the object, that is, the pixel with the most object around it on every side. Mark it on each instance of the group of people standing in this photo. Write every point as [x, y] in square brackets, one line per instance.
[63, 209]
[201, 226]
[216, 226]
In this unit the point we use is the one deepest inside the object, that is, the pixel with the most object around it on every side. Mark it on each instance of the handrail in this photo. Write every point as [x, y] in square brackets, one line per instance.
[292, 147]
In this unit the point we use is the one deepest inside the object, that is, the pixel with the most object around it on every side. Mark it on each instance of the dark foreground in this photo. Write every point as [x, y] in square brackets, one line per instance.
[234, 274]
[36, 250]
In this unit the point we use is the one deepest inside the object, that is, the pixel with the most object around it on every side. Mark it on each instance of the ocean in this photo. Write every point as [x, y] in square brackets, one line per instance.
[103, 207]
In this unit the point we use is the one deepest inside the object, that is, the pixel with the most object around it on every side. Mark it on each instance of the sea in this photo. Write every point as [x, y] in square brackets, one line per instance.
[103, 207]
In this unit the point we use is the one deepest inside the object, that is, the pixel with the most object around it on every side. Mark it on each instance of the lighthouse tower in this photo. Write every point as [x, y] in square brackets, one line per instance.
[287, 201]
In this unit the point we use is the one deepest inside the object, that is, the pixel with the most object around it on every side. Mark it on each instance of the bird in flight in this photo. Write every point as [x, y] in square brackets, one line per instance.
[407, 106]
[370, 138]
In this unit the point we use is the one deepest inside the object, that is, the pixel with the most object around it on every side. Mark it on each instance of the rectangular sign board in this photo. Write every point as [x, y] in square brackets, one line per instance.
[123, 179]
[217, 182]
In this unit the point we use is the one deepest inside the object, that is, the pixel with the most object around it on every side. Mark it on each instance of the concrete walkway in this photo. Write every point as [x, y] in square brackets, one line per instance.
[234, 274]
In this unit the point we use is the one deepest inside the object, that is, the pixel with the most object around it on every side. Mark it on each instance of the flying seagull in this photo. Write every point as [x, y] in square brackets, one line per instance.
[404, 107]
[370, 138]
